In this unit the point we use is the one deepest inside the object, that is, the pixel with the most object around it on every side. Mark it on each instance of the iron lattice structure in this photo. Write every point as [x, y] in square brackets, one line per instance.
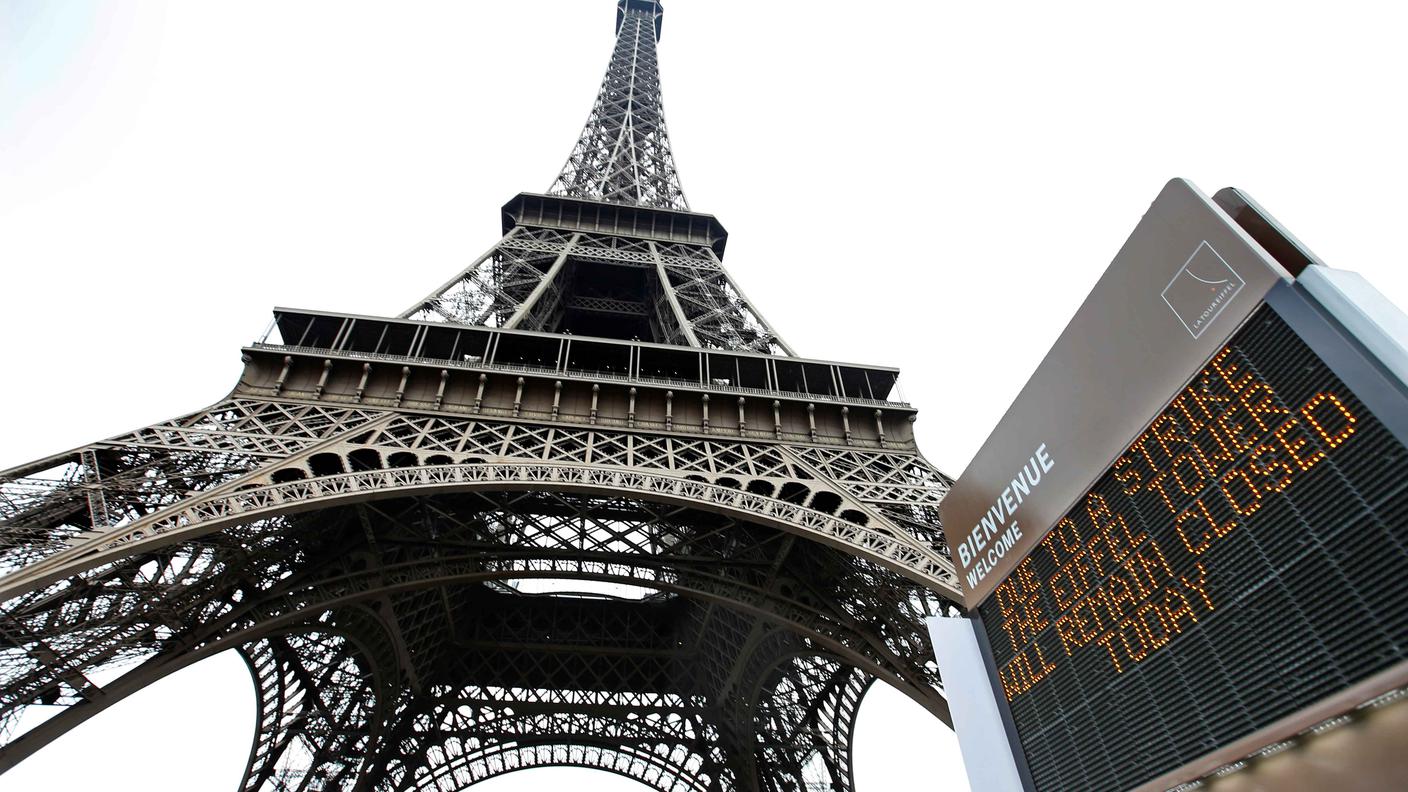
[579, 506]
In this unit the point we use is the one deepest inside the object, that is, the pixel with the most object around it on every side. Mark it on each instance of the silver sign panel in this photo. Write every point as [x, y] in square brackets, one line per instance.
[1183, 282]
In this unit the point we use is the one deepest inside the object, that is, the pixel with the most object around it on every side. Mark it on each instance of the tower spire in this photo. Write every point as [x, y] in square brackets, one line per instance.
[642, 267]
[623, 154]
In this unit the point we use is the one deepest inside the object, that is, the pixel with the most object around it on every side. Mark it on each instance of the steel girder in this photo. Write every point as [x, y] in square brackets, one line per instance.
[416, 580]
[532, 276]
[378, 530]
[623, 154]
[529, 279]
[874, 503]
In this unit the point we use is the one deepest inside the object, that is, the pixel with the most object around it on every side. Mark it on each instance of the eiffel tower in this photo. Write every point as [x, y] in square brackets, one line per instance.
[579, 506]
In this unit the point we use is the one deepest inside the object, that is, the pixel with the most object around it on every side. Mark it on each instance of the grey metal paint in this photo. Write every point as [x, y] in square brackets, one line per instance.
[746, 670]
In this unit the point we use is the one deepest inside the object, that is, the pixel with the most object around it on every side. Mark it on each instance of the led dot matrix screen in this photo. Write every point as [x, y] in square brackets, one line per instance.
[1245, 557]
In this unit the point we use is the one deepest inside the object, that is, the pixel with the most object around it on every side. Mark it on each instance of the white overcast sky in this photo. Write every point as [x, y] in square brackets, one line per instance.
[931, 185]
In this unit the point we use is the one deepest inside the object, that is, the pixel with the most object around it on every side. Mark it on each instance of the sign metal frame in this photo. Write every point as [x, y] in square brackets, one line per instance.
[1327, 327]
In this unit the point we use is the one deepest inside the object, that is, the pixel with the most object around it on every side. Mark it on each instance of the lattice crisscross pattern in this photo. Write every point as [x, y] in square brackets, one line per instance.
[624, 154]
[432, 590]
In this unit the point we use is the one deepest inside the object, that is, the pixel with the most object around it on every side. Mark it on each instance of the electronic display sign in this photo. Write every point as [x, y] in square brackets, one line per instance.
[1245, 556]
[1186, 543]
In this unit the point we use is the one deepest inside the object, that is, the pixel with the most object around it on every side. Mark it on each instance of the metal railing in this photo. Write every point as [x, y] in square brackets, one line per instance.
[522, 368]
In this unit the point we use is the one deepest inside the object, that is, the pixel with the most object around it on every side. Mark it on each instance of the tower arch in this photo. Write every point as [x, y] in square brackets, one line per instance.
[369, 516]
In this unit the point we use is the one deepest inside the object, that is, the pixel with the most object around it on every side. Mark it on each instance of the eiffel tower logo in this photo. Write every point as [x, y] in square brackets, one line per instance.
[580, 505]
